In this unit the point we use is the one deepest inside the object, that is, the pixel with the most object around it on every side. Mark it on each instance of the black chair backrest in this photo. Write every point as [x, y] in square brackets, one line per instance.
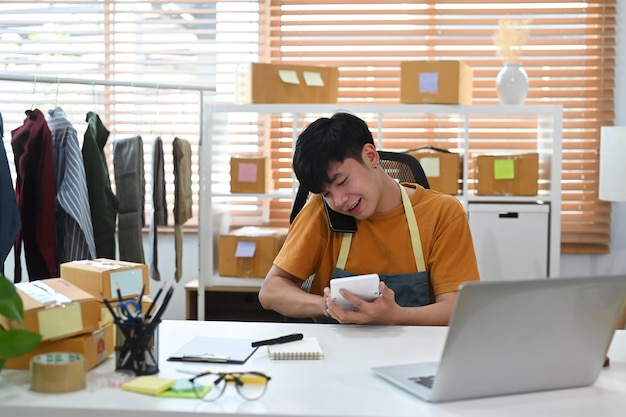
[400, 166]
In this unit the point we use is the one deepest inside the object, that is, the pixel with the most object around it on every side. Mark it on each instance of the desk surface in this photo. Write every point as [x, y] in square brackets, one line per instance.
[341, 385]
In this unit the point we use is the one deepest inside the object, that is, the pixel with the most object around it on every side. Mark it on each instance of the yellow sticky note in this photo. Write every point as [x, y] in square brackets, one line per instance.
[147, 384]
[289, 76]
[313, 79]
[504, 169]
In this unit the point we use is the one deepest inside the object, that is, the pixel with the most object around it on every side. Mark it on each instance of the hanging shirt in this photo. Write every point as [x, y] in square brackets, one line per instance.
[35, 191]
[182, 197]
[74, 231]
[9, 213]
[102, 202]
[159, 206]
[130, 184]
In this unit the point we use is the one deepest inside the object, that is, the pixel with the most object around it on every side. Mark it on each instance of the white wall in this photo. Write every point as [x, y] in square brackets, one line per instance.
[615, 262]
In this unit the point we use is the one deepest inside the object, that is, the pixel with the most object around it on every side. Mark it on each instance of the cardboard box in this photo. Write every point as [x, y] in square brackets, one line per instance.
[95, 347]
[250, 251]
[286, 83]
[435, 82]
[507, 174]
[442, 168]
[249, 174]
[56, 308]
[101, 277]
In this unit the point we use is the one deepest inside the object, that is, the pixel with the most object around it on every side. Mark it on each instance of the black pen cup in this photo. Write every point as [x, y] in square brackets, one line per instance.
[135, 348]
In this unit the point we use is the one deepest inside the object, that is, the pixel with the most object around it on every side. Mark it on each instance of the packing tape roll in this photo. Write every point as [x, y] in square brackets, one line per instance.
[58, 372]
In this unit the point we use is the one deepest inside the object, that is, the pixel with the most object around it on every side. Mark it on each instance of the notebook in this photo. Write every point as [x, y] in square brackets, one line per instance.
[508, 337]
[307, 348]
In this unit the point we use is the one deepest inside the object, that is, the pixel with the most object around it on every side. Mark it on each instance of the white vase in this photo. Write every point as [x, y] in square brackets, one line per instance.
[512, 84]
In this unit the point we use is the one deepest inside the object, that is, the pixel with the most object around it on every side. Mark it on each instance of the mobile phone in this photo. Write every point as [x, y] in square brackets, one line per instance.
[363, 286]
[340, 222]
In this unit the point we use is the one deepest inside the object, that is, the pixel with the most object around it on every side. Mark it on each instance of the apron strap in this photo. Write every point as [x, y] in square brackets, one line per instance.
[413, 231]
[343, 252]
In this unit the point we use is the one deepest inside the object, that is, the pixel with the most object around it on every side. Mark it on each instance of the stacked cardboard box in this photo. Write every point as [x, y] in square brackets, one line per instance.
[67, 317]
[286, 83]
[249, 174]
[510, 174]
[435, 82]
[104, 277]
[442, 168]
[249, 251]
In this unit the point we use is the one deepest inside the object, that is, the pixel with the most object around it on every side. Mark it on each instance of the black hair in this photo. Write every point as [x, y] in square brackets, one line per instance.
[324, 142]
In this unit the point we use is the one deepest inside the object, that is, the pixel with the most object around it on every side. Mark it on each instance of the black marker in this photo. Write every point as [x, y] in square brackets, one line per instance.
[283, 339]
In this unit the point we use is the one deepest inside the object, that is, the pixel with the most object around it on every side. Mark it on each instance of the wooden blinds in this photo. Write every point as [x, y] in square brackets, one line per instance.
[569, 57]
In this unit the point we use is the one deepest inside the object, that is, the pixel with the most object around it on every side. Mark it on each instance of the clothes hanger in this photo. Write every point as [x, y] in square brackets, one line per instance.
[56, 97]
[32, 106]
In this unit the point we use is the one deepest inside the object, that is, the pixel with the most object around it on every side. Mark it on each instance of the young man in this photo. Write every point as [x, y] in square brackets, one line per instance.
[422, 253]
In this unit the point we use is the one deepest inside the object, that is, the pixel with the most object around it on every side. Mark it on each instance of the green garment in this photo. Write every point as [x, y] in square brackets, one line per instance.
[103, 203]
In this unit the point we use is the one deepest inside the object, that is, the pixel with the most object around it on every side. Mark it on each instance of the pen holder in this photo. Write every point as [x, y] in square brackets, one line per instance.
[137, 351]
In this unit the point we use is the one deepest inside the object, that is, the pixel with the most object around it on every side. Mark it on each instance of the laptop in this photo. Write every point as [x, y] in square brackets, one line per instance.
[511, 337]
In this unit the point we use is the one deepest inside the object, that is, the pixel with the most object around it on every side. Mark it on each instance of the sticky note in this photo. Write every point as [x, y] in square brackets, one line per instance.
[60, 321]
[504, 169]
[431, 167]
[129, 282]
[289, 76]
[184, 389]
[429, 82]
[149, 384]
[313, 79]
[247, 172]
[245, 249]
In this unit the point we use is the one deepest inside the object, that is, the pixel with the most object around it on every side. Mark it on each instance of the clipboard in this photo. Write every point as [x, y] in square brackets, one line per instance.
[215, 350]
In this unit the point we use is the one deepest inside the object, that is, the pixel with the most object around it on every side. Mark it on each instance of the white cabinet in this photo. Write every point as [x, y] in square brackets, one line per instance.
[271, 129]
[511, 240]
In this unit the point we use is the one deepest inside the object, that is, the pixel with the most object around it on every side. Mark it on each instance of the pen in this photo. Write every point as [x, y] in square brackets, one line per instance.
[163, 306]
[283, 339]
[140, 296]
[110, 308]
[119, 293]
[153, 303]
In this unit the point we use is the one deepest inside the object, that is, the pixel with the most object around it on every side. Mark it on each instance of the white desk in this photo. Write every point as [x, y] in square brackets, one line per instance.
[341, 385]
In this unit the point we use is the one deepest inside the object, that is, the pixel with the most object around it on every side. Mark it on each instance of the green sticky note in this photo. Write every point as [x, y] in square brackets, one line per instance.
[504, 169]
[184, 389]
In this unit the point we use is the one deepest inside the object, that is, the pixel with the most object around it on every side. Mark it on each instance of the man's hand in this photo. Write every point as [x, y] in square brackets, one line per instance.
[380, 310]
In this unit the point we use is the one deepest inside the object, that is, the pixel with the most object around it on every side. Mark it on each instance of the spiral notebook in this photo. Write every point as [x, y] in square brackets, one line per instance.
[307, 348]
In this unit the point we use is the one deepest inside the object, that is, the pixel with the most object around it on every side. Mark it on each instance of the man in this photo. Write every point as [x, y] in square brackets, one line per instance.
[422, 254]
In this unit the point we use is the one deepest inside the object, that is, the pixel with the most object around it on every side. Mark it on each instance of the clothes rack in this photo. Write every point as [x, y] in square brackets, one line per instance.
[165, 86]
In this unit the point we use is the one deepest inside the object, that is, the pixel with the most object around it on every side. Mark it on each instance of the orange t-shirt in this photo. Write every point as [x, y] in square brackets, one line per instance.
[382, 243]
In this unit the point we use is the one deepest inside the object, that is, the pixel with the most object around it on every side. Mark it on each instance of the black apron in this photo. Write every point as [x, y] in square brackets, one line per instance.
[412, 289]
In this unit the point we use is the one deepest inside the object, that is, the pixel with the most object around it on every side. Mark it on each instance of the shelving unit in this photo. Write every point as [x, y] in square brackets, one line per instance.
[467, 129]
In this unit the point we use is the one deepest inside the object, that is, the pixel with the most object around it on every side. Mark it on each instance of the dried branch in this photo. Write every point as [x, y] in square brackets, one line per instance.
[510, 38]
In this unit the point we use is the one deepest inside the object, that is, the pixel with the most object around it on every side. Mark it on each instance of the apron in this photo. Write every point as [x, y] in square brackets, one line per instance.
[412, 289]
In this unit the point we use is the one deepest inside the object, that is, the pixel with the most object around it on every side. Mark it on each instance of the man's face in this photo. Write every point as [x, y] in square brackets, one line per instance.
[353, 189]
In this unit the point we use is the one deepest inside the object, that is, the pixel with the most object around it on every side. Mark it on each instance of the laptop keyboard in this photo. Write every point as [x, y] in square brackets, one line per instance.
[426, 381]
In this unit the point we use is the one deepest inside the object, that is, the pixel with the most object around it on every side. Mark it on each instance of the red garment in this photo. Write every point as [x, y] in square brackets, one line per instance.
[35, 191]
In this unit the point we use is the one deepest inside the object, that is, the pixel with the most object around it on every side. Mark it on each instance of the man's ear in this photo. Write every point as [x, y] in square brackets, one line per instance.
[370, 155]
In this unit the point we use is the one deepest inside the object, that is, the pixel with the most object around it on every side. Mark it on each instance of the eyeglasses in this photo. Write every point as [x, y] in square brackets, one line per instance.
[209, 386]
